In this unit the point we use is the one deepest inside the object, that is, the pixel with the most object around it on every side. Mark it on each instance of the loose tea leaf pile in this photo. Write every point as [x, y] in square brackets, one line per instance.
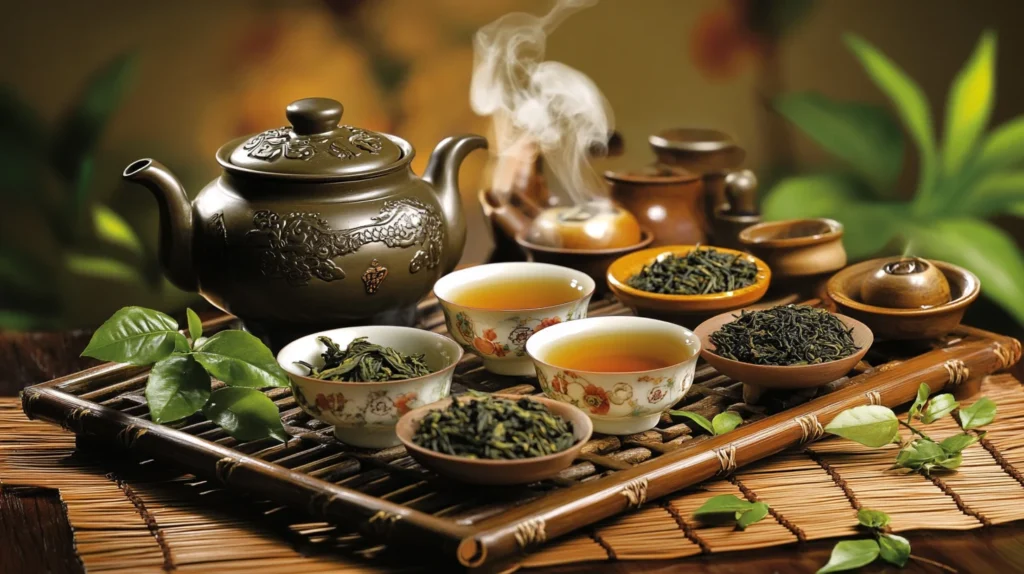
[699, 272]
[365, 362]
[495, 428]
[785, 335]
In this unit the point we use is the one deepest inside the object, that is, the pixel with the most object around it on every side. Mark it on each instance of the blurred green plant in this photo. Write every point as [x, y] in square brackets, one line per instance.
[57, 237]
[974, 176]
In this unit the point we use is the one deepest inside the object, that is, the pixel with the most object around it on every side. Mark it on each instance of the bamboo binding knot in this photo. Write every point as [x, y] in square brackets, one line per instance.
[1008, 356]
[129, 434]
[73, 422]
[727, 459]
[225, 467]
[810, 428]
[635, 492]
[874, 398]
[382, 523]
[957, 371]
[530, 533]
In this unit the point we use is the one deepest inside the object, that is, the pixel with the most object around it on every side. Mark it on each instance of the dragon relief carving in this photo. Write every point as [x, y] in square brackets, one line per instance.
[300, 246]
[272, 144]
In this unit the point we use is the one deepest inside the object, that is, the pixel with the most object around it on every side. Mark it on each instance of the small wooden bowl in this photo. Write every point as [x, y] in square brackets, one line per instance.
[593, 262]
[687, 310]
[797, 247]
[904, 324]
[783, 377]
[496, 472]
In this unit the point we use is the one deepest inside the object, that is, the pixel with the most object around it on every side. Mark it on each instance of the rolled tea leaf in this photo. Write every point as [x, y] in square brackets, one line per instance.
[700, 272]
[784, 335]
[363, 361]
[241, 360]
[178, 386]
[137, 336]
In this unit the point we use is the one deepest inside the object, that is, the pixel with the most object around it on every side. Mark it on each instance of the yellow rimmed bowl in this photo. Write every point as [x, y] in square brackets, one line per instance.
[686, 310]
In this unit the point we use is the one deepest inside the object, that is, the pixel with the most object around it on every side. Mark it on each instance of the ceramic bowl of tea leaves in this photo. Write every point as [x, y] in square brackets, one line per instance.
[418, 365]
[686, 284]
[776, 341]
[496, 471]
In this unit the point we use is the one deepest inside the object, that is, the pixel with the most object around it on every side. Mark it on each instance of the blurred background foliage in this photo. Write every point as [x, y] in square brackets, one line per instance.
[97, 85]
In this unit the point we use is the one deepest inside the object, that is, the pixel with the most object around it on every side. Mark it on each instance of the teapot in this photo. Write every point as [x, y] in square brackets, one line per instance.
[315, 224]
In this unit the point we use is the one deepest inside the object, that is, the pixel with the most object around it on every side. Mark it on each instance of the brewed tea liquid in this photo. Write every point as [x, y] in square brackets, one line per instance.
[505, 293]
[616, 353]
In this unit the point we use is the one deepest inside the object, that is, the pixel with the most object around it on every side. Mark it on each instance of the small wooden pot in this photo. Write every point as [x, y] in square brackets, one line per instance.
[797, 247]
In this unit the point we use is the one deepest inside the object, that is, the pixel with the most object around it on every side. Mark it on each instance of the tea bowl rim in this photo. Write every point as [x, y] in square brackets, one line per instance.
[968, 282]
[406, 426]
[835, 231]
[646, 238]
[707, 347]
[553, 332]
[561, 268]
[370, 385]
[761, 280]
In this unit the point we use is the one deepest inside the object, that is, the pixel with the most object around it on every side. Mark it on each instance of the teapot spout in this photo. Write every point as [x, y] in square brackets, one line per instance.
[175, 220]
[443, 174]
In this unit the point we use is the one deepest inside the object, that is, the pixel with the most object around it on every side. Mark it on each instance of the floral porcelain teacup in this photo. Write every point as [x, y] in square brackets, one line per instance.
[365, 414]
[498, 336]
[617, 403]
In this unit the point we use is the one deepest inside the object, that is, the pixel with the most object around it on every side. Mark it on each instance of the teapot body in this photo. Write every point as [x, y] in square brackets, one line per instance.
[294, 255]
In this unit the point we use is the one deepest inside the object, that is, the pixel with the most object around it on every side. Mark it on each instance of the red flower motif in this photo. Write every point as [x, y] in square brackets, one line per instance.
[559, 385]
[547, 323]
[334, 402]
[596, 399]
[490, 335]
[402, 402]
[656, 394]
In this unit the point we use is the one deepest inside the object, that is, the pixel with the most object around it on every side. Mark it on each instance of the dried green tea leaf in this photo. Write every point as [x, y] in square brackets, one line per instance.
[700, 272]
[851, 554]
[869, 425]
[980, 413]
[938, 407]
[922, 396]
[137, 336]
[784, 335]
[757, 512]
[872, 518]
[894, 549]
[363, 361]
[700, 420]
[725, 421]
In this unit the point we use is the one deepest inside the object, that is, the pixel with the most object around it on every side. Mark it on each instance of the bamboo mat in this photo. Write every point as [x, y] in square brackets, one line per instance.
[131, 517]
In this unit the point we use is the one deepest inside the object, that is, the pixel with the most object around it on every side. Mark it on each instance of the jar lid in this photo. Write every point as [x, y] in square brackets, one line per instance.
[314, 146]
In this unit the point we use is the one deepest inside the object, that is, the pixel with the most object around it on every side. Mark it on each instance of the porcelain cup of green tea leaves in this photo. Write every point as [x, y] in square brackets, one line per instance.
[362, 380]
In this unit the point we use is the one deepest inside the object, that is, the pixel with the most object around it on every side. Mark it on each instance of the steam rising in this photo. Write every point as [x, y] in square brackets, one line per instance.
[538, 106]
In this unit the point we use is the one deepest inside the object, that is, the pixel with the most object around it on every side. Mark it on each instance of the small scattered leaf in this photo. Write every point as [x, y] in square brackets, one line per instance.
[723, 504]
[246, 414]
[869, 425]
[894, 549]
[980, 413]
[137, 336]
[703, 422]
[240, 359]
[938, 407]
[950, 463]
[957, 443]
[919, 453]
[177, 387]
[872, 518]
[757, 512]
[851, 554]
[922, 396]
[195, 325]
[725, 421]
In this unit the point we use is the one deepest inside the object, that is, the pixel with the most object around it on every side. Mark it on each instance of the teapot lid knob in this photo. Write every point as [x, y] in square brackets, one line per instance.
[314, 115]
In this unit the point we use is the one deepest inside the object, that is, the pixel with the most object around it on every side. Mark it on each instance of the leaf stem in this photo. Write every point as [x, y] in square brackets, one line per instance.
[915, 431]
[934, 563]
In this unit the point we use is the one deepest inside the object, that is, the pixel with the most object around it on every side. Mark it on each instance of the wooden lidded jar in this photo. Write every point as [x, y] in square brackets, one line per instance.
[668, 201]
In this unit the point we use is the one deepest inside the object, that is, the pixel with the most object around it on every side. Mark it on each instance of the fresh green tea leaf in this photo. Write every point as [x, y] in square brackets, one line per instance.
[195, 325]
[757, 512]
[894, 549]
[1003, 148]
[922, 396]
[919, 453]
[864, 135]
[872, 518]
[996, 194]
[723, 504]
[870, 425]
[703, 422]
[950, 463]
[241, 360]
[938, 407]
[851, 554]
[246, 414]
[137, 336]
[969, 104]
[725, 421]
[980, 413]
[957, 443]
[177, 387]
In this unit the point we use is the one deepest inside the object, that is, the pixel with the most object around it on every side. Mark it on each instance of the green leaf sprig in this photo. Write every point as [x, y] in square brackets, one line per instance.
[722, 423]
[852, 554]
[179, 384]
[877, 426]
[729, 508]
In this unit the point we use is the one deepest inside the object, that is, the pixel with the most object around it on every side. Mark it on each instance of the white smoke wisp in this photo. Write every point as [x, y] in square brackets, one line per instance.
[538, 106]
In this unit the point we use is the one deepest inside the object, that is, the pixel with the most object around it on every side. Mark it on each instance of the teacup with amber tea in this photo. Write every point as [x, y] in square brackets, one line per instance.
[622, 371]
[492, 310]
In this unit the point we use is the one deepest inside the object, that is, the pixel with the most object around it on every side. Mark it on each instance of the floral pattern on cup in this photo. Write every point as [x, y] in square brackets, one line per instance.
[485, 342]
[379, 404]
[645, 394]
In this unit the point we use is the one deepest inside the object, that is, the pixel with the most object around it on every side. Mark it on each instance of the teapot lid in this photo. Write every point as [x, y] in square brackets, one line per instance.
[315, 146]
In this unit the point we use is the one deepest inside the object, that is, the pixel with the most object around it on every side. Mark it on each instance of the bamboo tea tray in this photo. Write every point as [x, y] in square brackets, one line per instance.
[386, 496]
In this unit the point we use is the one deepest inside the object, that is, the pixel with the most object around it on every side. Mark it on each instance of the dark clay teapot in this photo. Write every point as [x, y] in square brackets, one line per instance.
[314, 225]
